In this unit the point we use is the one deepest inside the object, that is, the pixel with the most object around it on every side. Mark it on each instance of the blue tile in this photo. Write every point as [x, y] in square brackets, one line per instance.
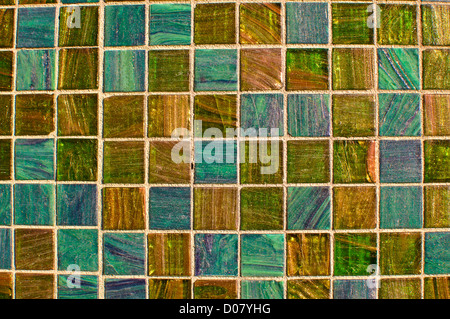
[400, 207]
[34, 204]
[353, 289]
[78, 247]
[88, 287]
[307, 23]
[170, 208]
[5, 248]
[35, 70]
[262, 111]
[125, 288]
[125, 25]
[400, 161]
[309, 115]
[437, 253]
[5, 204]
[216, 255]
[170, 24]
[309, 208]
[215, 70]
[34, 159]
[36, 28]
[123, 254]
[76, 205]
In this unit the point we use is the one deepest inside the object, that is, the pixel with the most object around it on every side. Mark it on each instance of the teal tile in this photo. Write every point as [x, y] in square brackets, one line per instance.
[5, 204]
[437, 254]
[215, 70]
[307, 23]
[398, 69]
[125, 25]
[215, 162]
[123, 254]
[35, 70]
[170, 208]
[124, 71]
[34, 159]
[308, 208]
[36, 28]
[78, 247]
[261, 289]
[76, 205]
[309, 115]
[34, 204]
[216, 255]
[5, 248]
[88, 287]
[262, 255]
[170, 24]
[400, 207]
[262, 111]
[399, 114]
[400, 161]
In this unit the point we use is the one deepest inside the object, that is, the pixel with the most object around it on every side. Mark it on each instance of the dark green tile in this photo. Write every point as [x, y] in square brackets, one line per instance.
[400, 253]
[123, 162]
[350, 23]
[7, 21]
[261, 208]
[86, 34]
[308, 162]
[353, 115]
[307, 69]
[6, 70]
[78, 69]
[123, 116]
[77, 114]
[77, 160]
[436, 69]
[34, 114]
[260, 23]
[354, 162]
[398, 25]
[214, 23]
[353, 69]
[5, 159]
[168, 70]
[353, 253]
[6, 102]
[437, 161]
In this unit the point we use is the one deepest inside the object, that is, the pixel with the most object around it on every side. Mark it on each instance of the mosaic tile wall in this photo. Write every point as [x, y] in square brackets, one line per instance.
[90, 94]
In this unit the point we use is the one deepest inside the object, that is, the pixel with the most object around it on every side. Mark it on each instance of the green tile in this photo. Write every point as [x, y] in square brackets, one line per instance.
[34, 159]
[124, 71]
[308, 162]
[6, 114]
[169, 289]
[77, 114]
[402, 288]
[398, 25]
[260, 23]
[168, 70]
[214, 23]
[437, 288]
[307, 69]
[353, 69]
[262, 255]
[350, 23]
[354, 162]
[77, 160]
[123, 162]
[7, 31]
[265, 168]
[400, 253]
[35, 70]
[170, 24]
[86, 35]
[308, 254]
[34, 114]
[88, 288]
[215, 289]
[399, 114]
[78, 69]
[308, 289]
[261, 289]
[215, 111]
[398, 69]
[5, 159]
[6, 70]
[78, 247]
[353, 253]
[435, 18]
[437, 206]
[437, 161]
[123, 116]
[34, 204]
[353, 115]
[262, 208]
[436, 69]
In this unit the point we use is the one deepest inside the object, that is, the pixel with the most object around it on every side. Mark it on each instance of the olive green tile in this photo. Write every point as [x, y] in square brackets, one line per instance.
[77, 114]
[34, 114]
[436, 69]
[401, 288]
[34, 249]
[168, 70]
[435, 19]
[123, 208]
[437, 288]
[350, 23]
[123, 116]
[398, 24]
[353, 115]
[308, 162]
[77, 160]
[214, 23]
[123, 162]
[86, 34]
[78, 69]
[437, 206]
[6, 114]
[437, 161]
[6, 285]
[5, 159]
[169, 254]
[307, 69]
[354, 162]
[261, 208]
[354, 207]
[169, 289]
[308, 254]
[260, 23]
[436, 114]
[6, 70]
[34, 286]
[353, 253]
[353, 69]
[7, 28]
[215, 289]
[308, 289]
[261, 162]
[167, 113]
[215, 111]
[162, 169]
[400, 253]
